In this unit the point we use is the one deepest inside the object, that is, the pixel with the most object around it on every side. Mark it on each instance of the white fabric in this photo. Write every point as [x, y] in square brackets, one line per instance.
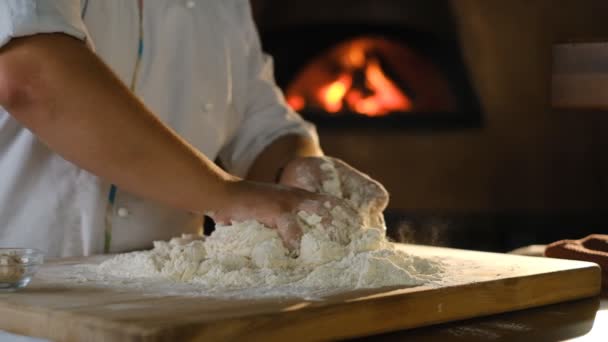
[8, 337]
[26, 17]
[202, 72]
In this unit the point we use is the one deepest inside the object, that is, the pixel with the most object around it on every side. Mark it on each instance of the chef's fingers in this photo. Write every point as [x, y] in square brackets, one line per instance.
[303, 173]
[289, 231]
[370, 193]
[338, 218]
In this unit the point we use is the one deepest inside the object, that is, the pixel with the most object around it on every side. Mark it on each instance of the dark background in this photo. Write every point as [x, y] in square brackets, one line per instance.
[527, 173]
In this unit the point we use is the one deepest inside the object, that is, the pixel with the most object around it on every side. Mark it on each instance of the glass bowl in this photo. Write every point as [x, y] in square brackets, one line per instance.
[17, 266]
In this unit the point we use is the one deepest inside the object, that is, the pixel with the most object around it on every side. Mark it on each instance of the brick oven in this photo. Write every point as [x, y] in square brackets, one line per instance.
[376, 63]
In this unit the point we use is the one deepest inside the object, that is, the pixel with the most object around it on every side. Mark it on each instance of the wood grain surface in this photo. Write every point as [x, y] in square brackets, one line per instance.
[475, 284]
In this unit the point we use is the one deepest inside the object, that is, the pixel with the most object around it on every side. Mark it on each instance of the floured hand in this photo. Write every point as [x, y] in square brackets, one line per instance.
[278, 206]
[334, 177]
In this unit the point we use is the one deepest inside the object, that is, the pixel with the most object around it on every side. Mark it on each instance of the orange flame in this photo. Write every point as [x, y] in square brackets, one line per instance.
[386, 96]
[296, 102]
[376, 97]
[332, 94]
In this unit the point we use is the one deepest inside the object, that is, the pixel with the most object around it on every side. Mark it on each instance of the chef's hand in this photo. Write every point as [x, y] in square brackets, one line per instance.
[363, 192]
[277, 206]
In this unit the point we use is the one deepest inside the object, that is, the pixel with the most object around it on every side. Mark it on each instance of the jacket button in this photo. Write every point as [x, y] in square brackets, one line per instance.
[123, 212]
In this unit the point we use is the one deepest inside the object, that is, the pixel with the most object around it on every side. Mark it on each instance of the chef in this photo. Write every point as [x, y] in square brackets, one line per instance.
[113, 111]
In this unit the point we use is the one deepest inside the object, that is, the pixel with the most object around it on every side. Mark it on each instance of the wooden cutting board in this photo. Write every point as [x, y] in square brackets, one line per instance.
[475, 284]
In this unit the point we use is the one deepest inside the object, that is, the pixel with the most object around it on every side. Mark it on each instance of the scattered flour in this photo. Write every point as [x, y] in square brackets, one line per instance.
[338, 255]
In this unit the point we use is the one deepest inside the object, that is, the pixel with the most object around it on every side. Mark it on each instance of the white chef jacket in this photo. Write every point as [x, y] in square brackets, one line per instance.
[202, 72]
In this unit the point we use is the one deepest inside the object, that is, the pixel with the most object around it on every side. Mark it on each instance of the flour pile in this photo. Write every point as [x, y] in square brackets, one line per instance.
[344, 254]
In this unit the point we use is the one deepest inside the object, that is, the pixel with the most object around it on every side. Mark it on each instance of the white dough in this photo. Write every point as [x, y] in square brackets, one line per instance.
[342, 254]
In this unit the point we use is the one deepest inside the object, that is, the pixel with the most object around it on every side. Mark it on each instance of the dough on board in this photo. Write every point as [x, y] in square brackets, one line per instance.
[342, 254]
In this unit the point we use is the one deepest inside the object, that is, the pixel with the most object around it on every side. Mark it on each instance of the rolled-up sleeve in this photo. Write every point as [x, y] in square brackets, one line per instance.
[19, 18]
[267, 116]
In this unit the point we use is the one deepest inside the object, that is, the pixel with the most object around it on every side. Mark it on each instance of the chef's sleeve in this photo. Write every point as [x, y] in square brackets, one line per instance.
[19, 18]
[266, 114]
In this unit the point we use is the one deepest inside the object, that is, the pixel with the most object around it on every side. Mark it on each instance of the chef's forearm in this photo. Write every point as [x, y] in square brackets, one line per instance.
[59, 89]
[269, 163]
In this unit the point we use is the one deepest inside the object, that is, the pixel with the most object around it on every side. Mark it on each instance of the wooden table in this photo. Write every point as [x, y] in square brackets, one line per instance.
[474, 284]
[581, 321]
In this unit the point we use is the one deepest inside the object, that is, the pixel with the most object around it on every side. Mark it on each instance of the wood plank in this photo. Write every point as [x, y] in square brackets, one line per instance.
[475, 284]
